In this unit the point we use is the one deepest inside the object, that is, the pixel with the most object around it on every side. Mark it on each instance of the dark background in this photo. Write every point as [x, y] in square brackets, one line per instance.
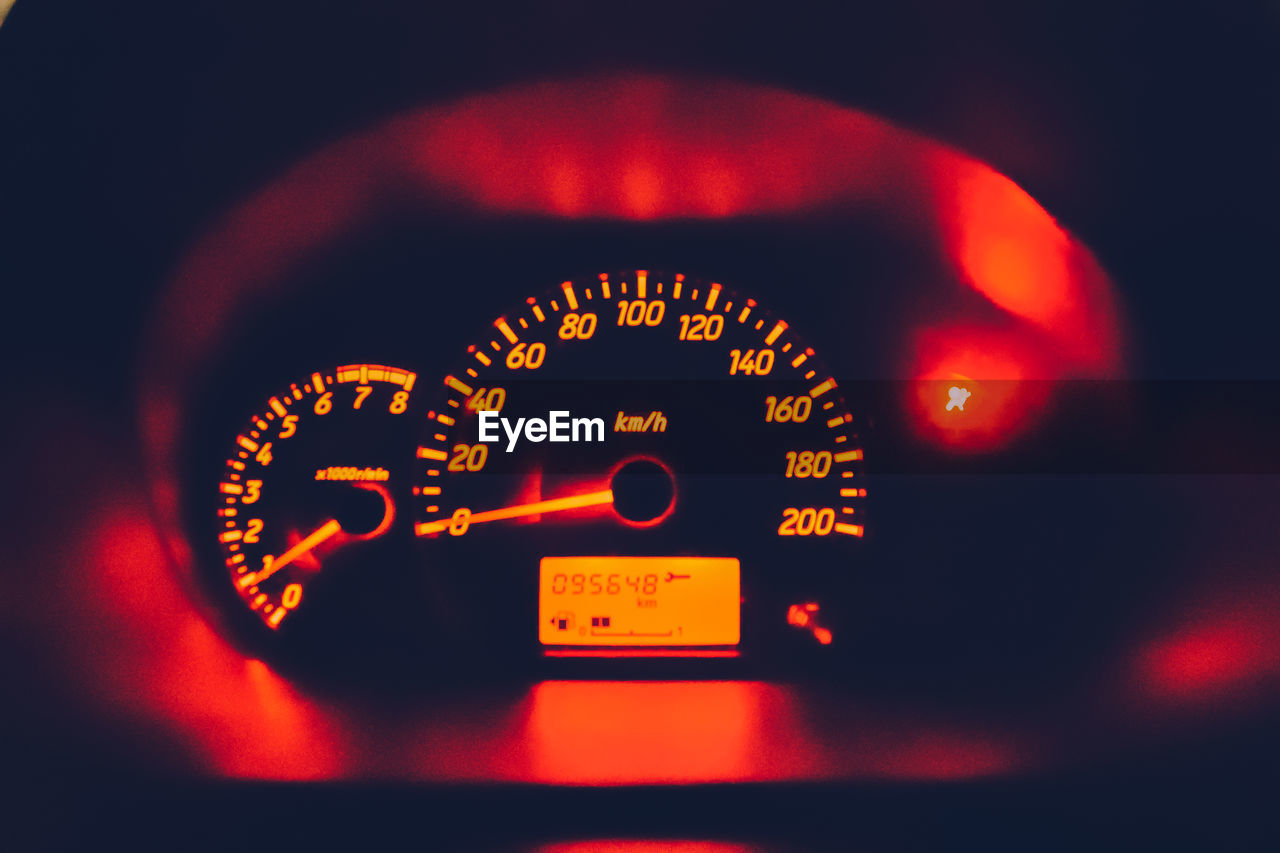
[1149, 130]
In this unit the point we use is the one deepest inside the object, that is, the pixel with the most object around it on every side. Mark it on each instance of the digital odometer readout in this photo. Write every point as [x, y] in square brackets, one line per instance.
[639, 601]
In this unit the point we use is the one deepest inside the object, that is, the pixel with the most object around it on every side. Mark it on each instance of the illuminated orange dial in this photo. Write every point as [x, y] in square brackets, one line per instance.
[641, 423]
[309, 482]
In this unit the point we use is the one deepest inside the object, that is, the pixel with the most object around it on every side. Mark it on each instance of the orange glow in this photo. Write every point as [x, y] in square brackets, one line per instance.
[366, 373]
[627, 845]
[640, 653]
[644, 457]
[388, 514]
[1207, 659]
[636, 732]
[139, 652]
[1003, 372]
[151, 657]
[806, 616]
[1227, 649]
[599, 498]
[635, 146]
[1012, 252]
[638, 601]
[626, 147]
[321, 534]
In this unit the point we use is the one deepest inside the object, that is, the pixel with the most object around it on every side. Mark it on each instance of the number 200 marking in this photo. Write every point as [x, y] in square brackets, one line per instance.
[807, 521]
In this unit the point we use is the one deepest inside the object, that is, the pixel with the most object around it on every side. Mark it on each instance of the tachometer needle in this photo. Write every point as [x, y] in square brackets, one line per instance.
[536, 508]
[320, 534]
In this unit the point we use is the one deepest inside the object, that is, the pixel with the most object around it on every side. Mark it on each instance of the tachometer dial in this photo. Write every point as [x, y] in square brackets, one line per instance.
[311, 480]
[645, 461]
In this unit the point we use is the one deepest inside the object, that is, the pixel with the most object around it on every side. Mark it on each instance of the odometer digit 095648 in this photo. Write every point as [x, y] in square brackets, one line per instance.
[652, 464]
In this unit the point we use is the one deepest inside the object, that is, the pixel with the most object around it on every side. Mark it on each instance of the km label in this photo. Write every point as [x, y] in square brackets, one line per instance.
[655, 421]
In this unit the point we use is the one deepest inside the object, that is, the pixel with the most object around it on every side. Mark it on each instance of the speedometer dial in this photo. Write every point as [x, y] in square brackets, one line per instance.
[648, 463]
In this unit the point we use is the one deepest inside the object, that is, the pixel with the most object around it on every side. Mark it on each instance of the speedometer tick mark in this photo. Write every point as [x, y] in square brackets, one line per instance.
[822, 387]
[506, 330]
[458, 385]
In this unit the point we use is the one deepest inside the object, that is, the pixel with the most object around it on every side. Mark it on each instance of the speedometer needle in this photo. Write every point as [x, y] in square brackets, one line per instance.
[320, 534]
[518, 510]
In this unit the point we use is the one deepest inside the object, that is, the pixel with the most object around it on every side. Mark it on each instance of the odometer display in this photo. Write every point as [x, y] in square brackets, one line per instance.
[638, 601]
